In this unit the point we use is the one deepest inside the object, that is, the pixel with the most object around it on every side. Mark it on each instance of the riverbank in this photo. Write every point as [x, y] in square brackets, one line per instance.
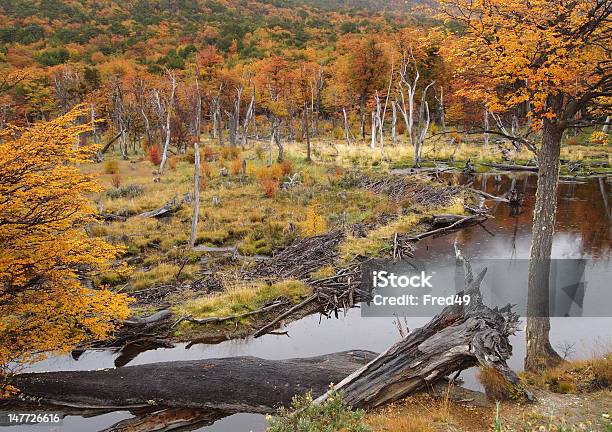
[248, 213]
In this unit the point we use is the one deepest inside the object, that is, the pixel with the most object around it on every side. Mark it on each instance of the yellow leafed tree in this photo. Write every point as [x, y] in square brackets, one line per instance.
[551, 60]
[44, 248]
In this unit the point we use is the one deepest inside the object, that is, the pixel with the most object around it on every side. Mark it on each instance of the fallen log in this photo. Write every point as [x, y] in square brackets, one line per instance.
[166, 420]
[461, 336]
[446, 219]
[149, 320]
[238, 384]
[471, 219]
[109, 217]
[508, 167]
[488, 195]
[165, 210]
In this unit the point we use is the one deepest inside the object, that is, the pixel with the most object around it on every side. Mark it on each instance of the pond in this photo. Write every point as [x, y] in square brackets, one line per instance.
[583, 230]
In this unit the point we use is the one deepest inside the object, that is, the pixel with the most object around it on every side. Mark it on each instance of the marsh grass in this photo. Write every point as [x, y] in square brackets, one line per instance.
[242, 298]
[576, 376]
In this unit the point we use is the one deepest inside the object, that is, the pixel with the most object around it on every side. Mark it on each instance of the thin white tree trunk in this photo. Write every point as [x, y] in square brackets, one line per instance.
[169, 109]
[196, 194]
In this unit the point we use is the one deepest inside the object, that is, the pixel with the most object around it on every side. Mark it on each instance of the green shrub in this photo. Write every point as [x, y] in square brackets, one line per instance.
[127, 191]
[330, 416]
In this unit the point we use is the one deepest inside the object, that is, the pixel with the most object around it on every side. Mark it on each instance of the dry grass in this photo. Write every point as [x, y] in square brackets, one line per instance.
[423, 413]
[379, 239]
[243, 298]
[577, 376]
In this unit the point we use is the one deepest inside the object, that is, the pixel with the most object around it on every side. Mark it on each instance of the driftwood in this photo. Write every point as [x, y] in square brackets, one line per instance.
[166, 210]
[150, 320]
[441, 220]
[284, 315]
[238, 384]
[460, 223]
[488, 195]
[458, 338]
[507, 167]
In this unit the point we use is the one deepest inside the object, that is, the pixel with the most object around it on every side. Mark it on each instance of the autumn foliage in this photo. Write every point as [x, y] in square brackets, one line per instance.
[154, 155]
[44, 247]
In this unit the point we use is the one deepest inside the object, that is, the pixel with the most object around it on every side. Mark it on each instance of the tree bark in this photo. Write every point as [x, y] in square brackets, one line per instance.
[540, 354]
[196, 194]
[459, 337]
[307, 132]
[257, 385]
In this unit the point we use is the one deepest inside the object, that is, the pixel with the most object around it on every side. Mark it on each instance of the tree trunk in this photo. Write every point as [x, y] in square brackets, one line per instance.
[540, 354]
[257, 385]
[196, 194]
[307, 132]
[459, 337]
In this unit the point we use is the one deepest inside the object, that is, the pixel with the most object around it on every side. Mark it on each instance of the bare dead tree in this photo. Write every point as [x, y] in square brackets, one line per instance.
[196, 167]
[347, 127]
[306, 128]
[165, 108]
[407, 88]
[249, 116]
[139, 90]
[119, 115]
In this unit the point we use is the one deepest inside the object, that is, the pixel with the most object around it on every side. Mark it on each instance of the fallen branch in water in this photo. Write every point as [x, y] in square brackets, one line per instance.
[488, 195]
[285, 314]
[507, 167]
[472, 219]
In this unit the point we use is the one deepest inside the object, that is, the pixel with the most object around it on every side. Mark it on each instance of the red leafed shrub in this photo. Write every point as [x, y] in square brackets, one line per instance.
[270, 187]
[154, 155]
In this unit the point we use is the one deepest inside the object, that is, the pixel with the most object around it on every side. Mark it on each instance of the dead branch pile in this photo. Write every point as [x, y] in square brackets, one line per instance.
[400, 188]
[301, 258]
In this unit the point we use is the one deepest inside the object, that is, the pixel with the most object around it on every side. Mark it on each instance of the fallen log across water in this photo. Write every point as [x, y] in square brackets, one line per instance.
[459, 223]
[238, 384]
[508, 167]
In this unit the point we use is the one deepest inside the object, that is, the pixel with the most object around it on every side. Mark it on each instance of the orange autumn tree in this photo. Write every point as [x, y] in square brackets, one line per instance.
[44, 248]
[550, 59]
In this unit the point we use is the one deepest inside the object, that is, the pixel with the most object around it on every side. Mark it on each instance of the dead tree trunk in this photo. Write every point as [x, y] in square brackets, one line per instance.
[257, 385]
[461, 336]
[347, 127]
[167, 110]
[307, 132]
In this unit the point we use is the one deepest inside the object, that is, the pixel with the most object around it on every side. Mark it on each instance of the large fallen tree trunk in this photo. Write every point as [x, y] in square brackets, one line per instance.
[239, 384]
[507, 167]
[458, 338]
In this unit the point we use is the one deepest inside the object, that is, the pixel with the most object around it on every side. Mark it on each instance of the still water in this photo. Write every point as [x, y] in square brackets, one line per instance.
[583, 230]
